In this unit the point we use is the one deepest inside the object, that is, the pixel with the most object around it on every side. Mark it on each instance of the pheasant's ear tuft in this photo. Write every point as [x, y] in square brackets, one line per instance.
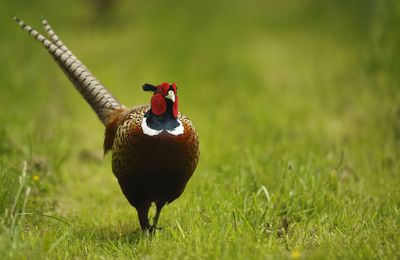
[149, 87]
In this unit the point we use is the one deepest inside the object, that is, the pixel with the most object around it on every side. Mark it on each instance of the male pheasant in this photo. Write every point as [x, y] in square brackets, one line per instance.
[155, 149]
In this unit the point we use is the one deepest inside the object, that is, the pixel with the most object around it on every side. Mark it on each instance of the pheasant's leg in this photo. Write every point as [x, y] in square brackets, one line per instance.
[155, 220]
[156, 217]
[144, 219]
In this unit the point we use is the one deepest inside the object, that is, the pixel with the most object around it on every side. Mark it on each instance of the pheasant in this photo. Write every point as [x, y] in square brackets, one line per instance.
[155, 148]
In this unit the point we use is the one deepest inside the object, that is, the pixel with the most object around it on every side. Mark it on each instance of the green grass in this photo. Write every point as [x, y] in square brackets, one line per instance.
[297, 106]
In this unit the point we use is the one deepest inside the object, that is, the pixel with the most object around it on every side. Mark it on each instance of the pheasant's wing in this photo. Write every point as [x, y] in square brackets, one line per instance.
[99, 98]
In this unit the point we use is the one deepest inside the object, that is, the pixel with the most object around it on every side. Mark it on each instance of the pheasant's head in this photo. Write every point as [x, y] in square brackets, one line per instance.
[164, 96]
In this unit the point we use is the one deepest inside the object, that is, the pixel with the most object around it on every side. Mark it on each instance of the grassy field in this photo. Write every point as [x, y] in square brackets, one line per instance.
[297, 105]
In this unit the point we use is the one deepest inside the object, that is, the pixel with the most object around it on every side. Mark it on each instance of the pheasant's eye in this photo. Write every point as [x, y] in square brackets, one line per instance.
[163, 88]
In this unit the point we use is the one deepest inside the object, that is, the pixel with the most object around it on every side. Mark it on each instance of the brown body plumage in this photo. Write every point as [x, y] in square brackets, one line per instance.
[150, 168]
[155, 149]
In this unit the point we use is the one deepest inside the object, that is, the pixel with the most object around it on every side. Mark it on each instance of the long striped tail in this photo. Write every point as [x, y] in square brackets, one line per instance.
[99, 98]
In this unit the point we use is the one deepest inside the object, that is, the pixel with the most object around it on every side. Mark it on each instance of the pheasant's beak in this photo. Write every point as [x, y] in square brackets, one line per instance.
[170, 96]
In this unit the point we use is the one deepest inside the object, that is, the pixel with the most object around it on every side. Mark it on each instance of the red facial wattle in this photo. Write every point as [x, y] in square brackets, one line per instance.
[158, 104]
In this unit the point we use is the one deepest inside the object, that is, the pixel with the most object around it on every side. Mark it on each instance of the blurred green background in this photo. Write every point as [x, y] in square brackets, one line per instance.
[296, 100]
